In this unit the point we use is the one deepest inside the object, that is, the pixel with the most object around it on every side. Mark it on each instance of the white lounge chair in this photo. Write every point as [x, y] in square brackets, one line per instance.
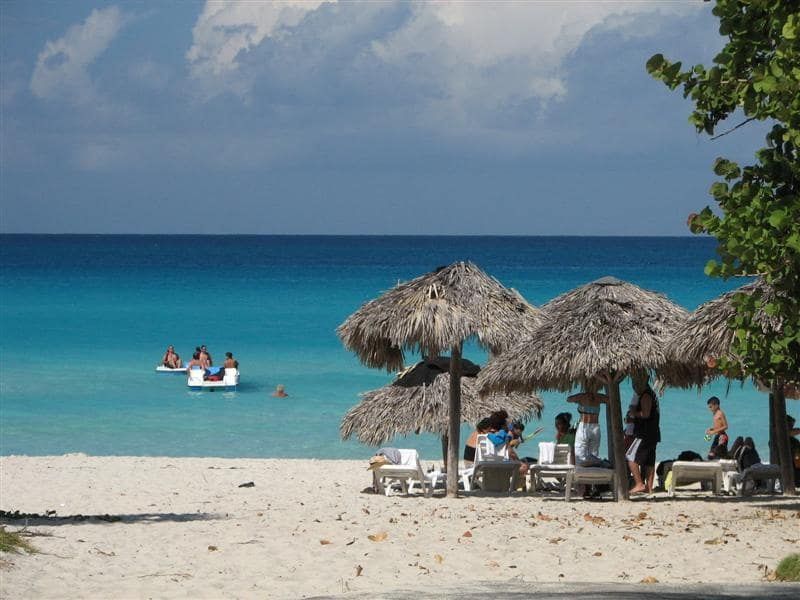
[589, 476]
[555, 461]
[493, 470]
[408, 473]
[692, 471]
[744, 483]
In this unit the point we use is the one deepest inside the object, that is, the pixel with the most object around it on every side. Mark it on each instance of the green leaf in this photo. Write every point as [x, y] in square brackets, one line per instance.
[711, 268]
[718, 189]
[655, 63]
[789, 30]
[778, 218]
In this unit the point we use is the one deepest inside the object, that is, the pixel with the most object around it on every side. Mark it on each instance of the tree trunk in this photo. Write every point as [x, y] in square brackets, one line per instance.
[773, 433]
[614, 415]
[454, 426]
[778, 399]
[609, 435]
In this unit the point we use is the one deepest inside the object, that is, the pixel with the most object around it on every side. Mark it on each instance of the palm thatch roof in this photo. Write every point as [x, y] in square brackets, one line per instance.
[417, 400]
[605, 327]
[706, 336]
[436, 312]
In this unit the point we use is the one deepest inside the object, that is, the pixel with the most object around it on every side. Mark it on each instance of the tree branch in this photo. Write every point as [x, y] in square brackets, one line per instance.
[745, 122]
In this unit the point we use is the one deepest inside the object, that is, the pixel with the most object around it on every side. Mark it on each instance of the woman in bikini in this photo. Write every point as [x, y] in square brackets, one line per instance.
[587, 437]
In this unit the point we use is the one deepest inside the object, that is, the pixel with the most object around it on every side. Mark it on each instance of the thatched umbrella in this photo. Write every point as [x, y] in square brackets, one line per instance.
[596, 334]
[418, 400]
[435, 313]
[706, 337]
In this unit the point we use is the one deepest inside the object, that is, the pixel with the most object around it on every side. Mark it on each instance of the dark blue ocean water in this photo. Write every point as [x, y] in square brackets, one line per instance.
[85, 319]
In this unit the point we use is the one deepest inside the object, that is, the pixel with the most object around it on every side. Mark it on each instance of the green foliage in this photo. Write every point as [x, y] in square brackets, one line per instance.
[757, 225]
[789, 568]
[13, 542]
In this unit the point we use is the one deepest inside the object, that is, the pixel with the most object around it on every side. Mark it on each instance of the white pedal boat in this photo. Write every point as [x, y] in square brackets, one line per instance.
[163, 369]
[229, 381]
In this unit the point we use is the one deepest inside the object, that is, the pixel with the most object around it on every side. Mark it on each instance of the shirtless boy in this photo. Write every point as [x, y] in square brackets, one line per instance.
[719, 429]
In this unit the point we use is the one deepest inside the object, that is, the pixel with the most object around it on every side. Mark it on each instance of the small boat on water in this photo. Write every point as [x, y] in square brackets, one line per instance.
[163, 369]
[217, 378]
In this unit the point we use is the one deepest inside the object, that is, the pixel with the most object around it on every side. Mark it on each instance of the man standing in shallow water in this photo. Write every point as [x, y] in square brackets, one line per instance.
[719, 429]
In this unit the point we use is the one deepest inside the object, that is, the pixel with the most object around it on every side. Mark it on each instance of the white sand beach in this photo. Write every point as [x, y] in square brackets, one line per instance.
[182, 527]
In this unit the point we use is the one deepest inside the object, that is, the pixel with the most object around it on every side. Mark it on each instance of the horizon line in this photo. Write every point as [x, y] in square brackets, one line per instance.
[418, 235]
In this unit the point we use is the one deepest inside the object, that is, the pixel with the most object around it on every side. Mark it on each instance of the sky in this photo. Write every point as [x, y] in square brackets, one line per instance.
[324, 117]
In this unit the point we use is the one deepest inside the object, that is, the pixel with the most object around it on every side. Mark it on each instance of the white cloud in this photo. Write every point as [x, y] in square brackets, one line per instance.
[506, 51]
[226, 29]
[62, 66]
[456, 60]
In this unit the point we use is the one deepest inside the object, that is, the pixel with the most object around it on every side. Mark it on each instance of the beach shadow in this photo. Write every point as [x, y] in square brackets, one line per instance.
[589, 591]
[51, 519]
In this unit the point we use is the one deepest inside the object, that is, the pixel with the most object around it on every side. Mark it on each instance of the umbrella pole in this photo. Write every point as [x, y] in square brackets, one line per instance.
[782, 434]
[454, 426]
[615, 420]
[444, 449]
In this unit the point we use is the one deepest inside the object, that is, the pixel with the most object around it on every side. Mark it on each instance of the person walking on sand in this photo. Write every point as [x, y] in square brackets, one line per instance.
[718, 429]
[641, 455]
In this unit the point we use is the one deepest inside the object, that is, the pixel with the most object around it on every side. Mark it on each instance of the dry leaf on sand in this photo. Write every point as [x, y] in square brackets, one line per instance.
[543, 517]
[594, 519]
[359, 569]
[378, 537]
[325, 542]
[438, 558]
[649, 579]
[212, 548]
[466, 534]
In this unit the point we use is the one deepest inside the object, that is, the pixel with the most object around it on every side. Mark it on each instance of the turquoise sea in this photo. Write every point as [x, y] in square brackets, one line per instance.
[85, 319]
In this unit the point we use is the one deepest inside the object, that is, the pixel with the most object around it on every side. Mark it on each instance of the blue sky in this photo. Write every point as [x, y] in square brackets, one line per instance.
[520, 118]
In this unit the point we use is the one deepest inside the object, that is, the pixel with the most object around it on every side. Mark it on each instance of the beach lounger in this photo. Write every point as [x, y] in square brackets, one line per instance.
[555, 461]
[493, 471]
[693, 471]
[745, 483]
[589, 476]
[408, 473]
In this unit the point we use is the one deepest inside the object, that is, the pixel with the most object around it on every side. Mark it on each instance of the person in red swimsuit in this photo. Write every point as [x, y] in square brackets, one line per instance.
[719, 429]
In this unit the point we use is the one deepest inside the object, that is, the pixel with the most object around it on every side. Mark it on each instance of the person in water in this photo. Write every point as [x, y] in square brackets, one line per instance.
[230, 362]
[171, 358]
[280, 392]
[205, 356]
[196, 363]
